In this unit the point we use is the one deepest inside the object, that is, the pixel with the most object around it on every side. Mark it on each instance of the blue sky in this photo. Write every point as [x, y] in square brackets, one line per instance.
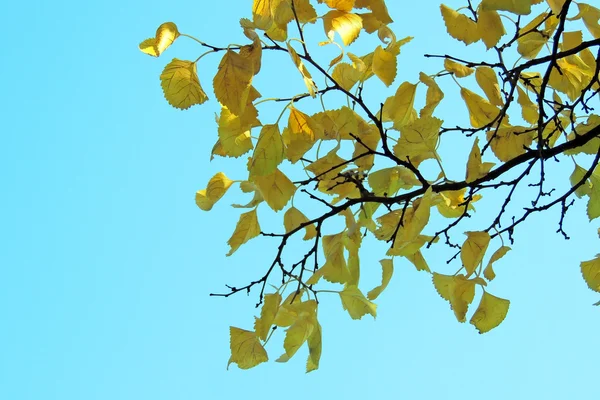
[107, 263]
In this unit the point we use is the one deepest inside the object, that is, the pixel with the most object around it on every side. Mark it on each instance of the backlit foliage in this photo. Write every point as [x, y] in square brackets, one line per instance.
[354, 172]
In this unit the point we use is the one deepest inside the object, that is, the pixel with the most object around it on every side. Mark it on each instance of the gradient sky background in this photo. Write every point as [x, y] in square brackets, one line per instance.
[107, 263]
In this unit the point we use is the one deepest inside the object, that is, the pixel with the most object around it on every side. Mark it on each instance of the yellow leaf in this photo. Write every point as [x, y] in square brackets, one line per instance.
[346, 75]
[418, 261]
[234, 136]
[419, 138]
[452, 204]
[481, 111]
[262, 325]
[276, 189]
[165, 36]
[475, 167]
[253, 54]
[369, 139]
[232, 81]
[337, 124]
[346, 24]
[293, 218]
[314, 348]
[246, 229]
[488, 272]
[378, 8]
[308, 81]
[261, 13]
[342, 5]
[491, 312]
[370, 22]
[180, 84]
[387, 266]
[590, 16]
[246, 350]
[510, 142]
[593, 145]
[591, 273]
[488, 82]
[216, 188]
[305, 11]
[433, 97]
[295, 336]
[521, 7]
[585, 189]
[457, 68]
[460, 26]
[356, 303]
[387, 181]
[457, 290]
[473, 250]
[335, 269]
[268, 153]
[384, 65]
[327, 167]
[490, 28]
[416, 221]
[529, 110]
[299, 136]
[400, 107]
[532, 39]
[593, 207]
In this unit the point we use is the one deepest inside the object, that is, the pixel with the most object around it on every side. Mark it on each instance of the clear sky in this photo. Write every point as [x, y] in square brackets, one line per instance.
[106, 263]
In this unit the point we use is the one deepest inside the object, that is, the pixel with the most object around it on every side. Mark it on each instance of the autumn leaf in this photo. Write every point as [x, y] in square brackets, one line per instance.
[481, 111]
[217, 186]
[384, 65]
[591, 273]
[276, 189]
[180, 84]
[299, 136]
[489, 27]
[346, 24]
[295, 336]
[491, 312]
[510, 142]
[293, 218]
[477, 169]
[387, 266]
[488, 82]
[585, 189]
[399, 108]
[521, 7]
[356, 303]
[234, 134]
[460, 26]
[268, 152]
[165, 36]
[529, 111]
[457, 290]
[232, 81]
[246, 350]
[473, 250]
[246, 229]
[314, 348]
[306, 76]
[262, 325]
[433, 97]
[458, 69]
[488, 272]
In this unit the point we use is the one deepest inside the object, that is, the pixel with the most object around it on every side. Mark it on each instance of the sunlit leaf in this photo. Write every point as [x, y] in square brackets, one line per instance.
[356, 303]
[165, 36]
[246, 229]
[246, 350]
[491, 312]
